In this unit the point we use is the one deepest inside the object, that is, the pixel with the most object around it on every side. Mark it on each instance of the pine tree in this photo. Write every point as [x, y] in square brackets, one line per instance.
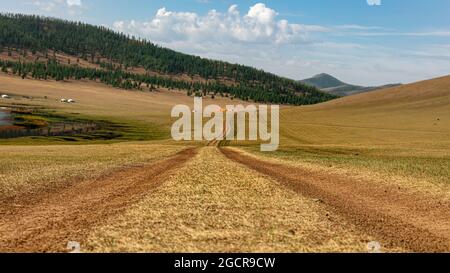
[22, 33]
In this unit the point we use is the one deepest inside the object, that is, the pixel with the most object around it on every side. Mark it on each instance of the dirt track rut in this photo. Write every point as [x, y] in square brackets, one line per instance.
[49, 221]
[213, 204]
[397, 219]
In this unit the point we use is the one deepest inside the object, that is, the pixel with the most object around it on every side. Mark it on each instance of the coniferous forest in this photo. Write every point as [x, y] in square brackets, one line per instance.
[115, 53]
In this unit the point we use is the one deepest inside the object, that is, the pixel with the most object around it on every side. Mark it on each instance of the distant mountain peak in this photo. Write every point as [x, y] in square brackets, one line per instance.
[332, 85]
[322, 75]
[323, 81]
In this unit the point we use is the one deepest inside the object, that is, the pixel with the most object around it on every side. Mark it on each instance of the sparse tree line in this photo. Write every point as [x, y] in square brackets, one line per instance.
[23, 33]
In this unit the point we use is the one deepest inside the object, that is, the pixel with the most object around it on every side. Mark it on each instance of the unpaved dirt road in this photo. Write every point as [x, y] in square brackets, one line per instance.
[395, 218]
[205, 200]
[47, 222]
[213, 204]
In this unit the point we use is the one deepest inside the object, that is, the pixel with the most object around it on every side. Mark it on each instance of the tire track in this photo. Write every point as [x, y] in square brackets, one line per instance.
[213, 204]
[53, 219]
[417, 223]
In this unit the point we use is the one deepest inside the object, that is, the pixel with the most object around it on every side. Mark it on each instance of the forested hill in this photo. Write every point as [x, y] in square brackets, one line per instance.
[114, 53]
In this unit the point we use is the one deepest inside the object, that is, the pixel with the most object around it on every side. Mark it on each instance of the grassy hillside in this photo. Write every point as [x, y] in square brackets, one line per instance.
[135, 115]
[383, 117]
[402, 131]
[119, 56]
[388, 150]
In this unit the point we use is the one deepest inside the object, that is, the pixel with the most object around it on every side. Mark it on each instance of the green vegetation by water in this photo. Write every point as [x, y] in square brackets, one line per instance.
[107, 130]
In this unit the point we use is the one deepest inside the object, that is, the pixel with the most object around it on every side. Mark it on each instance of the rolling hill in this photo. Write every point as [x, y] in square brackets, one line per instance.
[378, 157]
[331, 85]
[409, 118]
[42, 48]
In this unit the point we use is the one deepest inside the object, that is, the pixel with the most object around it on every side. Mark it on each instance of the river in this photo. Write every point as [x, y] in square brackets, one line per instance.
[4, 118]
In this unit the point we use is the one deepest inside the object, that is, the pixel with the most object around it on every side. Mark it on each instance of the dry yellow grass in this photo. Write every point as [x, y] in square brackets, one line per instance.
[409, 115]
[28, 169]
[216, 205]
[98, 100]
[410, 183]
[401, 134]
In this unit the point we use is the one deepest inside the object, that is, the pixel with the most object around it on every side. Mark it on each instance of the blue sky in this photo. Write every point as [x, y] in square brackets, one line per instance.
[367, 42]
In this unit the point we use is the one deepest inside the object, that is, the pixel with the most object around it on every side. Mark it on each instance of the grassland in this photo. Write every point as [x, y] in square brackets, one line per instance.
[32, 163]
[216, 205]
[134, 115]
[30, 169]
[402, 132]
[399, 137]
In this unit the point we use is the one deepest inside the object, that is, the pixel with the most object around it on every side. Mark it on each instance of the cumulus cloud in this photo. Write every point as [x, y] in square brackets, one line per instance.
[374, 2]
[258, 25]
[260, 38]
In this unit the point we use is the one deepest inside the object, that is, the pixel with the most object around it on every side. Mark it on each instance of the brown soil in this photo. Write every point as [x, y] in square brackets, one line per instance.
[213, 204]
[394, 216]
[49, 220]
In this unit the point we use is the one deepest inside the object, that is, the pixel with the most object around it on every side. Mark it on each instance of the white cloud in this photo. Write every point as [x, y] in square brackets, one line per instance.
[261, 39]
[258, 25]
[374, 2]
[233, 10]
[72, 3]
[262, 14]
[356, 27]
[55, 6]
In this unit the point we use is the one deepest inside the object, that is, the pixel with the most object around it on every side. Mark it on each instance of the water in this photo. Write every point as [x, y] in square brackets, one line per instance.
[4, 118]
